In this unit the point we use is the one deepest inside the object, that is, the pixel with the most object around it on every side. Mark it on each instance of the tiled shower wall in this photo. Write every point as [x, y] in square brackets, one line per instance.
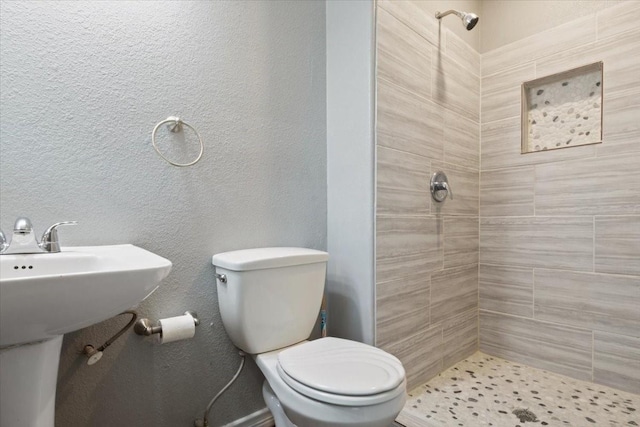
[426, 253]
[559, 273]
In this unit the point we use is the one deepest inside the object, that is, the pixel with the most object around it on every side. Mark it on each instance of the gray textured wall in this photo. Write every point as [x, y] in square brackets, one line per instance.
[82, 85]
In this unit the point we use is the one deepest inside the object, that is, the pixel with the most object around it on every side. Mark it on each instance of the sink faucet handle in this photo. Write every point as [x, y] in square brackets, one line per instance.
[49, 242]
[22, 226]
[3, 241]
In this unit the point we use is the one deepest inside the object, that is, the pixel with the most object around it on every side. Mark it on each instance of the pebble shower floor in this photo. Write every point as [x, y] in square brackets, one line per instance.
[484, 390]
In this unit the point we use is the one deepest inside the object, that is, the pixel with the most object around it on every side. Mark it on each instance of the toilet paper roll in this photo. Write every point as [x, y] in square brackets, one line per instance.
[177, 328]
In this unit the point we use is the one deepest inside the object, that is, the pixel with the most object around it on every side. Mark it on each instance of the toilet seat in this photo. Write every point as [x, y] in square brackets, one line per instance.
[342, 372]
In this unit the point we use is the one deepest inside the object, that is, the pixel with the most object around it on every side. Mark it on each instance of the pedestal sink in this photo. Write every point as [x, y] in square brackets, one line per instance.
[46, 295]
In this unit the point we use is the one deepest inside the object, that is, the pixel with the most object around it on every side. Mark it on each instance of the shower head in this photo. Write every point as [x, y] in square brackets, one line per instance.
[468, 19]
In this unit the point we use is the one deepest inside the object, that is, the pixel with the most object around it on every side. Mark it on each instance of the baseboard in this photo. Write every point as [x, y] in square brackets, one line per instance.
[261, 418]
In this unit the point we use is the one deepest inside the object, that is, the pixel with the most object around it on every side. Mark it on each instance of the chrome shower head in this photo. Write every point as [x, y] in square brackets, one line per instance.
[468, 19]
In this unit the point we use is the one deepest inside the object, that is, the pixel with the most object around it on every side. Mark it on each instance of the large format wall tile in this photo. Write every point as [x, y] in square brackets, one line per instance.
[418, 19]
[401, 266]
[501, 147]
[453, 291]
[460, 337]
[420, 354]
[464, 186]
[454, 87]
[618, 19]
[460, 241]
[618, 245]
[506, 289]
[600, 186]
[544, 242]
[401, 236]
[557, 348]
[402, 307]
[601, 302]
[616, 361]
[621, 131]
[501, 92]
[405, 177]
[408, 122]
[507, 192]
[462, 53]
[461, 137]
[557, 39]
[404, 57]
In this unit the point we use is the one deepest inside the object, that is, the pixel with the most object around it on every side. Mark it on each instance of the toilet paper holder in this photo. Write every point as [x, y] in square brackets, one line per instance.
[146, 327]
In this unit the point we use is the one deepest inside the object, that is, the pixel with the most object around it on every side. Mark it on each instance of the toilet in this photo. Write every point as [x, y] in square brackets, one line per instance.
[269, 301]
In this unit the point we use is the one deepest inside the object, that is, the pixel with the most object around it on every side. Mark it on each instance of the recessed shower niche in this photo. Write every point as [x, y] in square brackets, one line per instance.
[562, 110]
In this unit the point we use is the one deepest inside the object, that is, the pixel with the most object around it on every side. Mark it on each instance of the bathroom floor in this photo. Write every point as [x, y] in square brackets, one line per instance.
[484, 390]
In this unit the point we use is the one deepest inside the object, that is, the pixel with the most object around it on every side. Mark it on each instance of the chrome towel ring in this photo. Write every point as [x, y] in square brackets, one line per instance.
[177, 127]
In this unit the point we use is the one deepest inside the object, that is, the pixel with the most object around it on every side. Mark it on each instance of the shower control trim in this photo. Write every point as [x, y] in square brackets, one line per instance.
[440, 187]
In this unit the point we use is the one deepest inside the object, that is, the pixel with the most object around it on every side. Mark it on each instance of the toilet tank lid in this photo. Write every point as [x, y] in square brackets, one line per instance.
[262, 258]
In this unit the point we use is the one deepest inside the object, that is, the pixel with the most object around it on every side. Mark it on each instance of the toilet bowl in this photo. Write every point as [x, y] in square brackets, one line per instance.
[356, 385]
[269, 299]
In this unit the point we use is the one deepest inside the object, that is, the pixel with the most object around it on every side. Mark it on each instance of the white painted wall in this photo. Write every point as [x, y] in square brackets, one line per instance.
[82, 85]
[351, 169]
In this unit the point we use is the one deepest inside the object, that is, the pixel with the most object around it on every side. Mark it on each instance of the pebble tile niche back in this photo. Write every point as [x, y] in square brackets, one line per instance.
[562, 110]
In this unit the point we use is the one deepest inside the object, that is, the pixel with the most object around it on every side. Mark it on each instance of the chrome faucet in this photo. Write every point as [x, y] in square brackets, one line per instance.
[24, 240]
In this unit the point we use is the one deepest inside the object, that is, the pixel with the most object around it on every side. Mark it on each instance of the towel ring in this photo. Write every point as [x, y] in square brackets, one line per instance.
[177, 127]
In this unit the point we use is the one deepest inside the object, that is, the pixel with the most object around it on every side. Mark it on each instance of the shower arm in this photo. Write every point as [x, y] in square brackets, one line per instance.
[449, 12]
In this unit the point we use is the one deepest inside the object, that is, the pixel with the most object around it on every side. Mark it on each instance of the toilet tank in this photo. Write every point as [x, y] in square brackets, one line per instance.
[271, 297]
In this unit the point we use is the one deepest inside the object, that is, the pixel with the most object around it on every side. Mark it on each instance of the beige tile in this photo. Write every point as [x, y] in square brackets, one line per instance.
[501, 92]
[454, 87]
[460, 241]
[408, 122]
[404, 57]
[464, 183]
[453, 291]
[405, 174]
[404, 265]
[603, 302]
[507, 192]
[394, 201]
[460, 337]
[417, 18]
[562, 349]
[401, 236]
[506, 289]
[402, 307]
[462, 53]
[461, 140]
[618, 19]
[544, 242]
[621, 67]
[421, 365]
[616, 361]
[599, 186]
[618, 245]
[500, 143]
[621, 129]
[554, 40]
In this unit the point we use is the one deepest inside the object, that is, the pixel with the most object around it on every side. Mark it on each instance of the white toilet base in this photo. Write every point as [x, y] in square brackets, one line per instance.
[275, 407]
[290, 408]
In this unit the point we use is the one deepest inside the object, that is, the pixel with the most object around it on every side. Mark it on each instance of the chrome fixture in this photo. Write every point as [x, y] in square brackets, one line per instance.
[3, 242]
[221, 277]
[468, 19]
[440, 187]
[146, 327]
[24, 240]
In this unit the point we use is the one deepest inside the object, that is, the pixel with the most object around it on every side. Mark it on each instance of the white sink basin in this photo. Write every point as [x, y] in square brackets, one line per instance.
[42, 297]
[45, 295]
